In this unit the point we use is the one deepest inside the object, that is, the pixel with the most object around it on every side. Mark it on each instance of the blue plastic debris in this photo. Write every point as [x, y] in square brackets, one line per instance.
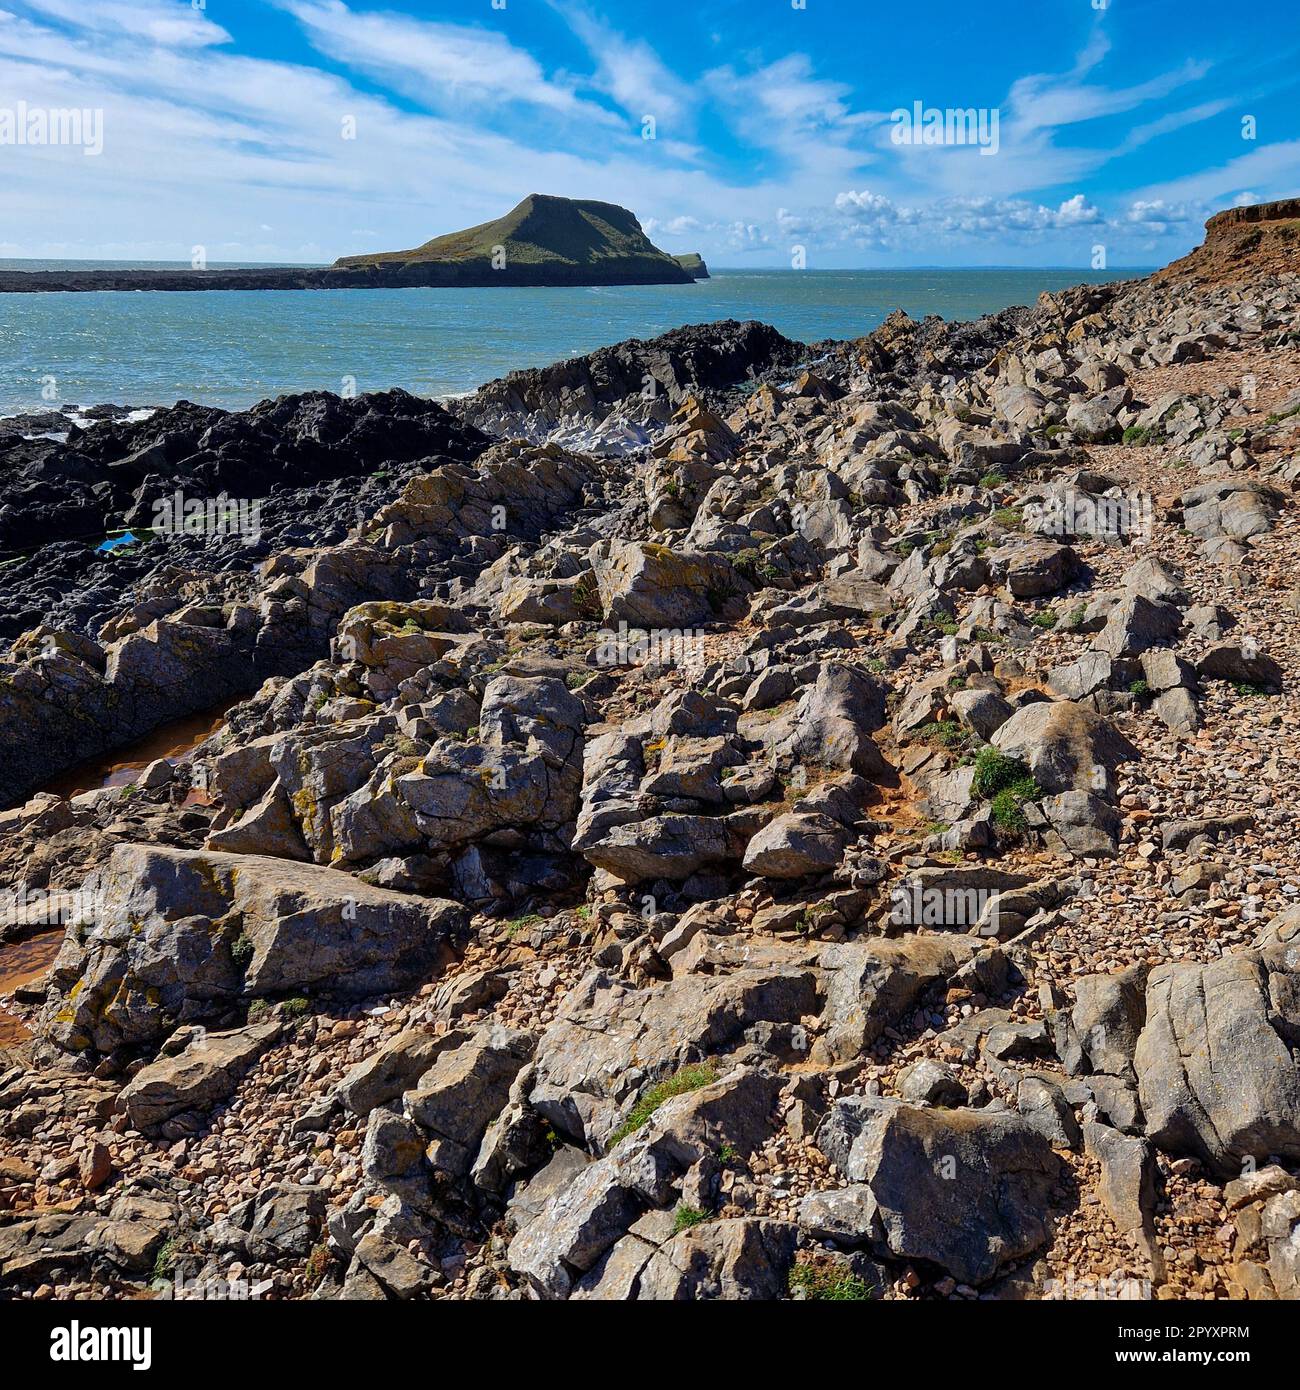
[112, 543]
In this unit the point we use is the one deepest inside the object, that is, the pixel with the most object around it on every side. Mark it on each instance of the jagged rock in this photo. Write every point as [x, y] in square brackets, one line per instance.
[650, 586]
[1066, 745]
[741, 1258]
[1178, 711]
[1078, 823]
[594, 1210]
[1128, 1186]
[1236, 508]
[1031, 568]
[1135, 623]
[982, 711]
[1044, 1105]
[1230, 661]
[869, 985]
[963, 1189]
[928, 1082]
[608, 1043]
[836, 718]
[463, 1092]
[129, 1237]
[1108, 1015]
[154, 950]
[397, 1065]
[207, 1071]
[845, 1216]
[672, 847]
[795, 845]
[1215, 1078]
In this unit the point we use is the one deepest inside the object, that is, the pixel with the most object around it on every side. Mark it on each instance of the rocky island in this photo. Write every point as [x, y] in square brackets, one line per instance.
[543, 241]
[820, 829]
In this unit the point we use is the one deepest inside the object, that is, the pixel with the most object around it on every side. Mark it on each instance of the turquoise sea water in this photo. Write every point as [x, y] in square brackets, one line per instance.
[233, 348]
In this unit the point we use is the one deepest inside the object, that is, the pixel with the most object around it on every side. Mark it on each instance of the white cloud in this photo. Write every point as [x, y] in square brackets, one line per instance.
[628, 70]
[435, 64]
[159, 21]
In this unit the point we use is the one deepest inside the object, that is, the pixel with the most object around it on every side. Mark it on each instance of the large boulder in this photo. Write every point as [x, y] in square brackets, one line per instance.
[463, 1092]
[1216, 1078]
[671, 847]
[648, 585]
[739, 1259]
[575, 1241]
[177, 933]
[207, 1071]
[966, 1190]
[1067, 746]
[609, 1043]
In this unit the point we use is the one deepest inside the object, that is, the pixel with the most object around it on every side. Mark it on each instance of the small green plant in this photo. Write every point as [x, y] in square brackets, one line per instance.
[947, 733]
[1007, 807]
[810, 919]
[1047, 618]
[727, 1154]
[1246, 688]
[875, 664]
[575, 680]
[1074, 618]
[318, 1263]
[994, 479]
[165, 1260]
[1009, 517]
[523, 924]
[935, 827]
[1139, 688]
[586, 598]
[679, 1084]
[826, 1282]
[685, 1217]
[995, 772]
[259, 1011]
[295, 1007]
[241, 950]
[1141, 435]
[947, 626]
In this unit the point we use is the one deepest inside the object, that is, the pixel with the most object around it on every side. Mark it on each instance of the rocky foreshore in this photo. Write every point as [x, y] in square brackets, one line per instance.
[717, 818]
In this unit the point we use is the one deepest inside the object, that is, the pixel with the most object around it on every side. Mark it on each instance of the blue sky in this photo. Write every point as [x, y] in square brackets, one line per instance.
[307, 129]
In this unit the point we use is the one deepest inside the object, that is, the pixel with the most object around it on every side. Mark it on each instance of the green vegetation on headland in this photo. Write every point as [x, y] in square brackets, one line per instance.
[543, 241]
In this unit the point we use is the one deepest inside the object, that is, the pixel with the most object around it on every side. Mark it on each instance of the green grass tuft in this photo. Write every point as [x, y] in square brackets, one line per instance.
[679, 1084]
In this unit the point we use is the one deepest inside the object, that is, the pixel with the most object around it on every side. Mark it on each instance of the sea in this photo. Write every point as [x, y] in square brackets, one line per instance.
[234, 348]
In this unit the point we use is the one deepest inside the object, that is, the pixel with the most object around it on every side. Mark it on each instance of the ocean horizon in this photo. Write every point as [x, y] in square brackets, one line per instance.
[234, 348]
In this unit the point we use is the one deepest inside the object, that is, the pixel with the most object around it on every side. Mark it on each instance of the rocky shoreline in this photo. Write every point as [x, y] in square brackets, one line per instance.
[717, 818]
